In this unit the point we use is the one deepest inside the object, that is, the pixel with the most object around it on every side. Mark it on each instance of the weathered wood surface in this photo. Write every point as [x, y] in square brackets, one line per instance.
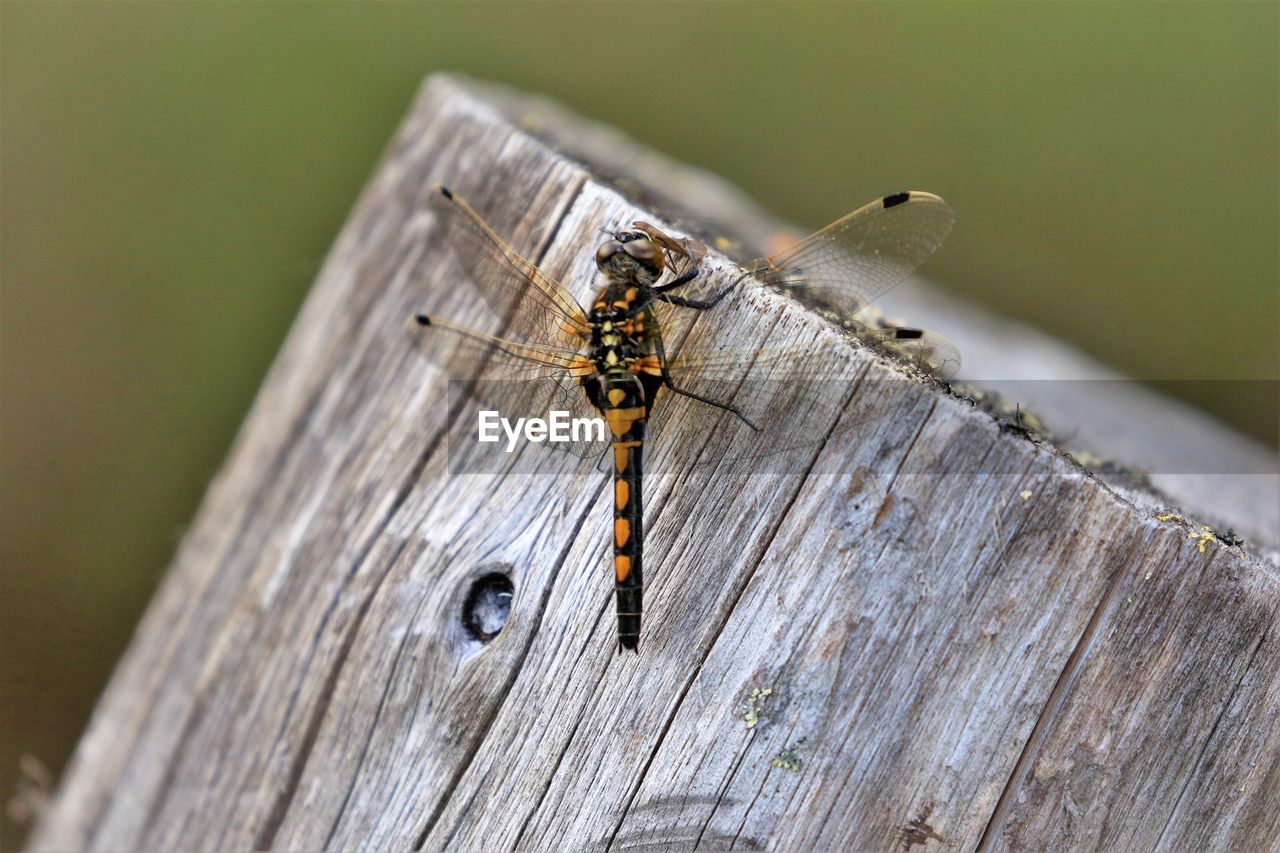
[967, 640]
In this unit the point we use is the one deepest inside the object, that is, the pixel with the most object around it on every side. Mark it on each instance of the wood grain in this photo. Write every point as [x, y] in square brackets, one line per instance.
[966, 640]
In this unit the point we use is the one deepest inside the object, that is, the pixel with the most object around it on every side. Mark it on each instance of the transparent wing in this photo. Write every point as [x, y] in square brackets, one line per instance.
[776, 402]
[928, 351]
[515, 380]
[813, 359]
[859, 257]
[467, 353]
[534, 305]
[842, 268]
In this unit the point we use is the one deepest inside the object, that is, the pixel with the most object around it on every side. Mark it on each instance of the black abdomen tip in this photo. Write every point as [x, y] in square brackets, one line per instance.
[896, 199]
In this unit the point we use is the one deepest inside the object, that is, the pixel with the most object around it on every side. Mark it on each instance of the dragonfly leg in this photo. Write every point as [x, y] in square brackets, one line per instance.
[680, 281]
[728, 407]
[697, 304]
[667, 381]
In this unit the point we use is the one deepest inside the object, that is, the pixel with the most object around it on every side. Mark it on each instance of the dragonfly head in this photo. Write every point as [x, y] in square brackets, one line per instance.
[631, 254]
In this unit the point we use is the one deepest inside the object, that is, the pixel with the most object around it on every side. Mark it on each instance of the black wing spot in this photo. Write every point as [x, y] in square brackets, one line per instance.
[423, 320]
[908, 334]
[896, 199]
[446, 192]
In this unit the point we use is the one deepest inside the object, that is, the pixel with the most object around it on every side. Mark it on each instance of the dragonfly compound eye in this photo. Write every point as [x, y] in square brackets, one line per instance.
[646, 252]
[607, 250]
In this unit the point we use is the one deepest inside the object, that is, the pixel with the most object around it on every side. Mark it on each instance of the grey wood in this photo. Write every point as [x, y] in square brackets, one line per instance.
[928, 631]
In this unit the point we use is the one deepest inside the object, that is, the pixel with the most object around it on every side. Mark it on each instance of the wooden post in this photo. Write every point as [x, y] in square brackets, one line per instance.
[946, 635]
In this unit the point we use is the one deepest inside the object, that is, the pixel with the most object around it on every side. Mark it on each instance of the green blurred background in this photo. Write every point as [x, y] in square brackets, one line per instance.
[172, 175]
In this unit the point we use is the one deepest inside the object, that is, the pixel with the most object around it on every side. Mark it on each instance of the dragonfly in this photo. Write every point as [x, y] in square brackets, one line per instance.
[615, 357]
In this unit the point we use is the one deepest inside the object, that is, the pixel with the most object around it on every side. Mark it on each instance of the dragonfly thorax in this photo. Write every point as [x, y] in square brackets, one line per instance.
[620, 326]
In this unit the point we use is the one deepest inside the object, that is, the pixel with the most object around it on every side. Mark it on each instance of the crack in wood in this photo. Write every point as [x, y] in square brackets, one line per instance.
[1213, 730]
[275, 817]
[364, 750]
[279, 808]
[577, 723]
[487, 723]
[1057, 696]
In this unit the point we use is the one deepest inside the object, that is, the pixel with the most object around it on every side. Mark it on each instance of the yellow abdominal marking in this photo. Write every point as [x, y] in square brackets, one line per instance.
[621, 531]
[617, 395]
[621, 567]
[621, 493]
[620, 420]
[649, 364]
[622, 454]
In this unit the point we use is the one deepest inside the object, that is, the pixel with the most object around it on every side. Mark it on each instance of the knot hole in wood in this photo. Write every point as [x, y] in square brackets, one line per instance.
[488, 604]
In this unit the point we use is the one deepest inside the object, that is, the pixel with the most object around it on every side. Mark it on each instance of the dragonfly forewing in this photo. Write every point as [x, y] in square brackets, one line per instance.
[532, 305]
[861, 256]
[494, 379]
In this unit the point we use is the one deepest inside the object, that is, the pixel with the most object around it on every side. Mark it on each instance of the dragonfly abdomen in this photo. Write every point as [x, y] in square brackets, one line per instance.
[628, 540]
[625, 412]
